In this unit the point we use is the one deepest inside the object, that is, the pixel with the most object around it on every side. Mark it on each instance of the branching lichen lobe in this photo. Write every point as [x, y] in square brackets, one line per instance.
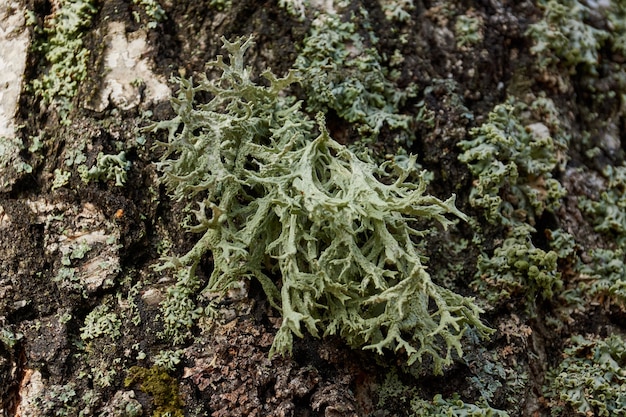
[338, 230]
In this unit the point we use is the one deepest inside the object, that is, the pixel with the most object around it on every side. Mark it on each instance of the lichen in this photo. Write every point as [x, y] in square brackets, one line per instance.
[296, 8]
[342, 71]
[57, 401]
[9, 338]
[468, 29]
[602, 280]
[453, 407]
[564, 36]
[518, 268]
[397, 10]
[153, 9]
[61, 178]
[101, 322]
[328, 235]
[513, 165]
[168, 359]
[607, 213]
[110, 167]
[393, 392]
[12, 164]
[221, 5]
[65, 55]
[591, 379]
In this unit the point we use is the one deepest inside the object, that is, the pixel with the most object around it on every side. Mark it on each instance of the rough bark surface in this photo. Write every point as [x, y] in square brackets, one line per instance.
[81, 302]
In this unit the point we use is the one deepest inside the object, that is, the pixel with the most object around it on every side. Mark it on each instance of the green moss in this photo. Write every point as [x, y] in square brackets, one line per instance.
[162, 387]
[591, 379]
[328, 235]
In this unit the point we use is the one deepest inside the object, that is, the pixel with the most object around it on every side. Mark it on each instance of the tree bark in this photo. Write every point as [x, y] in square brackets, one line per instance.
[85, 216]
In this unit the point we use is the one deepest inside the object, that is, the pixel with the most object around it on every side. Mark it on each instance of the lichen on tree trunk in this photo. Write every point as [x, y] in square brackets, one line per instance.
[516, 108]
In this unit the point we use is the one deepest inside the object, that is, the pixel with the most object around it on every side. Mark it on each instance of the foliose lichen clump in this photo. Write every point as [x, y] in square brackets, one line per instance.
[394, 392]
[65, 54]
[591, 379]
[517, 268]
[564, 37]
[513, 166]
[607, 213]
[330, 237]
[343, 72]
[513, 163]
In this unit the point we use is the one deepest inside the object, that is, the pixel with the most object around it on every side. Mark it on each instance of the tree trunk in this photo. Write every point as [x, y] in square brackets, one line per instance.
[517, 108]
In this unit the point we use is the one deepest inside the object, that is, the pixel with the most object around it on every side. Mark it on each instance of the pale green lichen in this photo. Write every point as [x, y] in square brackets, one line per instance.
[586, 39]
[394, 393]
[617, 26]
[65, 55]
[397, 10]
[607, 213]
[296, 8]
[513, 165]
[57, 401]
[468, 30]
[76, 250]
[563, 36]
[518, 268]
[328, 235]
[110, 167]
[342, 71]
[221, 5]
[572, 34]
[603, 279]
[453, 407]
[168, 359]
[9, 338]
[154, 11]
[101, 322]
[12, 165]
[590, 381]
[61, 178]
[68, 279]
